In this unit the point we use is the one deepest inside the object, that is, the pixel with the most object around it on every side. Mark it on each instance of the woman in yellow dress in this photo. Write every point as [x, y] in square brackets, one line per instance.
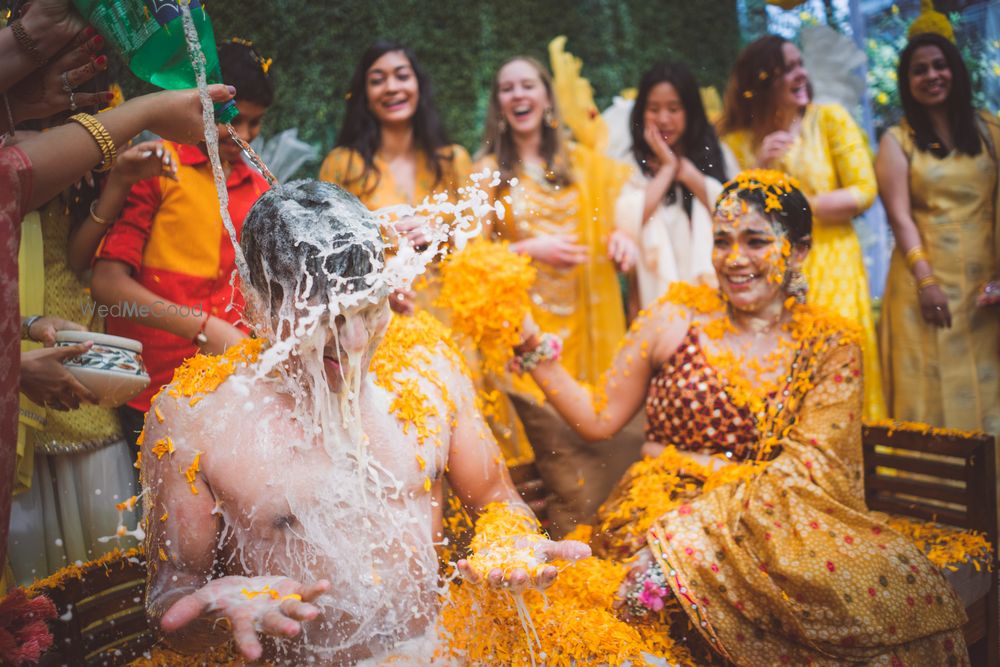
[938, 176]
[770, 123]
[559, 211]
[749, 530]
[392, 148]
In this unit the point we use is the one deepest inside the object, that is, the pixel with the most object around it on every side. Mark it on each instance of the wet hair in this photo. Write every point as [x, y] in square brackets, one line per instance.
[360, 130]
[699, 142]
[751, 103]
[960, 112]
[314, 231]
[243, 67]
[498, 138]
[765, 189]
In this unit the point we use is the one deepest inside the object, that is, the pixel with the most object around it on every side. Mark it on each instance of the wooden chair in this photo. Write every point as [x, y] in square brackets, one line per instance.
[948, 478]
[101, 617]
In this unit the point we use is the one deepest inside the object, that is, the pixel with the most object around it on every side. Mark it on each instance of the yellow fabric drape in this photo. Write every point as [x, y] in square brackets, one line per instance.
[947, 377]
[829, 153]
[790, 565]
[593, 322]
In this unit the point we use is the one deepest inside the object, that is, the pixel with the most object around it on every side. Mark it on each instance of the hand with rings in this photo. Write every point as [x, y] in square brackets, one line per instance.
[52, 89]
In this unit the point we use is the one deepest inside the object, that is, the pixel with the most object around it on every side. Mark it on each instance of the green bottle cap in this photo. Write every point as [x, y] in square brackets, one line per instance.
[226, 112]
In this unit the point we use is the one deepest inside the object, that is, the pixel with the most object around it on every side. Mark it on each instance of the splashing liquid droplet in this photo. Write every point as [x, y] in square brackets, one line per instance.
[252, 156]
[211, 133]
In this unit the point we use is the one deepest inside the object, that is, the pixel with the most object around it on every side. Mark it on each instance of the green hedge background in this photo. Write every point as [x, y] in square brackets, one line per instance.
[316, 45]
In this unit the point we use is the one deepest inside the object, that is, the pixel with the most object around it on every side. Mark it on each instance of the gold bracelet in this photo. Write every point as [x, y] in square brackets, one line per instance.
[104, 141]
[103, 222]
[927, 281]
[26, 43]
[914, 255]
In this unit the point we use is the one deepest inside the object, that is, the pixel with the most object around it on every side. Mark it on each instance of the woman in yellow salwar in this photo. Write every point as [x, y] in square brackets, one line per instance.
[938, 174]
[770, 123]
[392, 148]
[750, 526]
[559, 211]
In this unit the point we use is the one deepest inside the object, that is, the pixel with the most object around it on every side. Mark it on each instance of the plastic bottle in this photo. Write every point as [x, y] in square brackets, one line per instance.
[150, 36]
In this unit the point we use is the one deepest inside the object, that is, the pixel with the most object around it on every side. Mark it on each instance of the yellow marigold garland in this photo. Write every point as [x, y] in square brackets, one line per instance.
[485, 287]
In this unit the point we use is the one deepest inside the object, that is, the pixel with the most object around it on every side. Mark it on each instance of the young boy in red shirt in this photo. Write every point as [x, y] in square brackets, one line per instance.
[164, 272]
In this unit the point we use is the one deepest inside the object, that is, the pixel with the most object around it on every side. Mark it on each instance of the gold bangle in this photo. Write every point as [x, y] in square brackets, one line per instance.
[914, 255]
[104, 141]
[927, 281]
[103, 222]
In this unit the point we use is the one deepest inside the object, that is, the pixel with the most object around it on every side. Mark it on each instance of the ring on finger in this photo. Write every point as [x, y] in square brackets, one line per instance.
[64, 77]
[72, 101]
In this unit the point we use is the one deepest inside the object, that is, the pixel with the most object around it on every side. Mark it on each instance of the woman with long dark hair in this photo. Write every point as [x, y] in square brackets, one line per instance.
[771, 122]
[938, 176]
[392, 148]
[560, 214]
[680, 166]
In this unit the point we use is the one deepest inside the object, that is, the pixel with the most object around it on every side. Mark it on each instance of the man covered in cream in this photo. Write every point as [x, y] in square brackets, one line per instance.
[294, 485]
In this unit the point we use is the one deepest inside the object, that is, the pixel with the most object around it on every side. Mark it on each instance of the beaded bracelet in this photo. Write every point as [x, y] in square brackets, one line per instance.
[104, 141]
[914, 255]
[549, 348]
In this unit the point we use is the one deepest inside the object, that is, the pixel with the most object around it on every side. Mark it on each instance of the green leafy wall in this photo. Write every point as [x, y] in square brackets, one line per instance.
[315, 46]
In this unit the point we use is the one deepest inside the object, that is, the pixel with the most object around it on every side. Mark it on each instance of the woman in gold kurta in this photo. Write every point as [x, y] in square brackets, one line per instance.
[938, 174]
[754, 510]
[560, 213]
[392, 150]
[770, 123]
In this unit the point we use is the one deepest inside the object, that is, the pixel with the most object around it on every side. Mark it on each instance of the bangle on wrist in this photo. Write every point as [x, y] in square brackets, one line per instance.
[109, 153]
[27, 43]
[103, 222]
[200, 338]
[914, 255]
[26, 327]
[927, 281]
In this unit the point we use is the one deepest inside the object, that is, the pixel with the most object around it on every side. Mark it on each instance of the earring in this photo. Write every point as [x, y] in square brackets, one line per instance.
[796, 285]
[550, 118]
[502, 125]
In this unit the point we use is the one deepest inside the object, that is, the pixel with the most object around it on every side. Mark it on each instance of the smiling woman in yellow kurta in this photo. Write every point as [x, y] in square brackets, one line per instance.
[822, 147]
[938, 173]
[392, 129]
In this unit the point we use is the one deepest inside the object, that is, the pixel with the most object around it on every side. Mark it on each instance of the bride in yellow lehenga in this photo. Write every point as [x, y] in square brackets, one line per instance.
[749, 530]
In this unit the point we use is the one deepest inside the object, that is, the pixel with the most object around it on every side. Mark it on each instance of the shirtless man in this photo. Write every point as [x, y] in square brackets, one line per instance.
[294, 492]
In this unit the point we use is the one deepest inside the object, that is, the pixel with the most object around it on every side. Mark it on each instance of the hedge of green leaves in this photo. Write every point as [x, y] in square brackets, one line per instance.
[315, 46]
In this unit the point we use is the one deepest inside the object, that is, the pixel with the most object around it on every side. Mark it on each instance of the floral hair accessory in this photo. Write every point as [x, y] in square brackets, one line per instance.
[265, 63]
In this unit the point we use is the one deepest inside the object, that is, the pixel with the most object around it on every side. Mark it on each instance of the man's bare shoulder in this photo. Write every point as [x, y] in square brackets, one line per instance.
[199, 386]
[419, 342]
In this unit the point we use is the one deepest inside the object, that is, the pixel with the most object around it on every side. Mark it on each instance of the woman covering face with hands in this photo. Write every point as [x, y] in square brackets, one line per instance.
[679, 167]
